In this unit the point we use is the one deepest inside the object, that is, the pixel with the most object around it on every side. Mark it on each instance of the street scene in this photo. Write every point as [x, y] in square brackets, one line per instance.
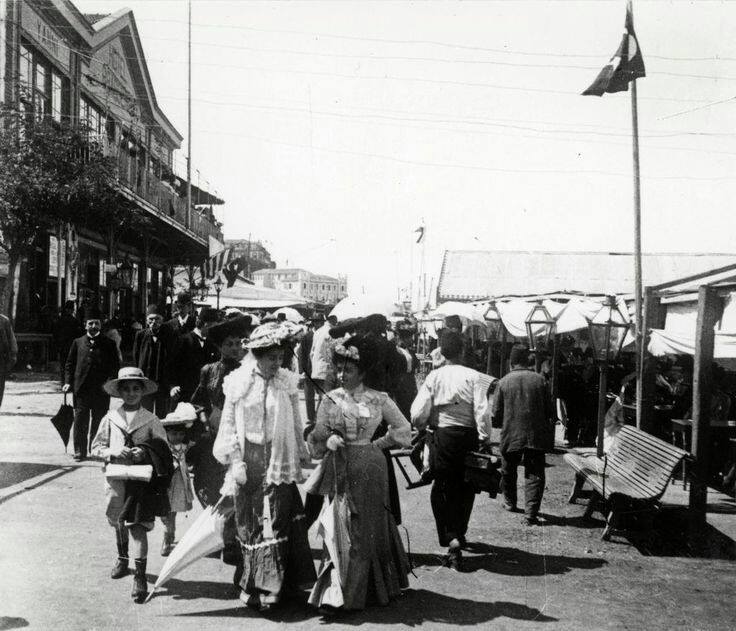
[361, 314]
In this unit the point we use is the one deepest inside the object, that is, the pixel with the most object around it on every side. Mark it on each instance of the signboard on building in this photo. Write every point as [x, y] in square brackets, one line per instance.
[54, 253]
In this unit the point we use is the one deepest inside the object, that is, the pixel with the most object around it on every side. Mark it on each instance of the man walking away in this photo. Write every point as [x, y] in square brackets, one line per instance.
[523, 404]
[92, 360]
[8, 352]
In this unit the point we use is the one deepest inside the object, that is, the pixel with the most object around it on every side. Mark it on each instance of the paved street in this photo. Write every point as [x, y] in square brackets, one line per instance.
[56, 551]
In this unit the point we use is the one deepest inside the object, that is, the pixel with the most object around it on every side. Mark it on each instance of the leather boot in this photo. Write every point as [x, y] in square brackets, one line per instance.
[167, 545]
[140, 586]
[120, 568]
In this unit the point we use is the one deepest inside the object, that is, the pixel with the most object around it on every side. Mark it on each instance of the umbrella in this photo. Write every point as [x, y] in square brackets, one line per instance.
[291, 314]
[334, 528]
[63, 421]
[361, 306]
[203, 537]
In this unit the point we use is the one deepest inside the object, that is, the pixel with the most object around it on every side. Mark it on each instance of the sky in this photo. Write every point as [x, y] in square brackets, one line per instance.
[334, 129]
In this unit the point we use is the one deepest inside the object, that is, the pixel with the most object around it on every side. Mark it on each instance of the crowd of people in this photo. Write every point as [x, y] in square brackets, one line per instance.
[219, 398]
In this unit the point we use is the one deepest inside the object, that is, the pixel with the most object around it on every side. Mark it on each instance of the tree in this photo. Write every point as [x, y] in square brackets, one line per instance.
[51, 174]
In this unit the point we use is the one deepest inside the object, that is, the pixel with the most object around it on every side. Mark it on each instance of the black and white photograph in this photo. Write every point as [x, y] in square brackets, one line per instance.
[335, 314]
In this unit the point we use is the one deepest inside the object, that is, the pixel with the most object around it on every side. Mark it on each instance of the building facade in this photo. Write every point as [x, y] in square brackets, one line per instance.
[316, 288]
[254, 253]
[90, 71]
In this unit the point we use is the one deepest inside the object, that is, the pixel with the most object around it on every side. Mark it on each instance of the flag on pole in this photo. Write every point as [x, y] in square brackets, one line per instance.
[421, 231]
[626, 65]
[215, 264]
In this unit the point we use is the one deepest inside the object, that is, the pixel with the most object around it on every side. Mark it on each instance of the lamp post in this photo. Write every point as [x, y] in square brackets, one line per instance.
[497, 332]
[608, 330]
[203, 290]
[218, 289]
[540, 326]
[125, 274]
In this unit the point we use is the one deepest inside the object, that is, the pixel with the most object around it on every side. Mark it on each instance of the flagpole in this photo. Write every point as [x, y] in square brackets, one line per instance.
[638, 289]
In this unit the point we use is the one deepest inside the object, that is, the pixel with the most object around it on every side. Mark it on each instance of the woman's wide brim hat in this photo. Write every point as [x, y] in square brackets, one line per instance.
[129, 373]
[273, 334]
[239, 326]
[184, 415]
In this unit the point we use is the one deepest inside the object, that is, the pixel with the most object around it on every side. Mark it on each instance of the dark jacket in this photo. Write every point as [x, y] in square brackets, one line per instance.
[522, 403]
[175, 328]
[305, 350]
[150, 356]
[186, 361]
[144, 501]
[91, 363]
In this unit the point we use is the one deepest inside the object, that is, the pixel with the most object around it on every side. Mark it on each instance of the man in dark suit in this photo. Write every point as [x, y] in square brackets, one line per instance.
[92, 360]
[191, 351]
[149, 354]
[183, 322]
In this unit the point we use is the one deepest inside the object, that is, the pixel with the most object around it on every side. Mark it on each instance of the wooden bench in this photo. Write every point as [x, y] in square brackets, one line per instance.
[631, 477]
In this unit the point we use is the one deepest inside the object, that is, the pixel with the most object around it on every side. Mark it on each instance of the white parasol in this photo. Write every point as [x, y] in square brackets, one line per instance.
[361, 306]
[291, 314]
[203, 537]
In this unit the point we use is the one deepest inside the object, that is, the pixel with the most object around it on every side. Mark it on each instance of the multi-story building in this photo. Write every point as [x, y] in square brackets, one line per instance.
[89, 70]
[317, 288]
[254, 253]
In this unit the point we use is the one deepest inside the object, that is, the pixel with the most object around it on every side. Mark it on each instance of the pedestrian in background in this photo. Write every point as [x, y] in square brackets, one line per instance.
[149, 354]
[131, 435]
[323, 370]
[523, 406]
[305, 367]
[92, 360]
[8, 351]
[191, 351]
[457, 397]
[66, 330]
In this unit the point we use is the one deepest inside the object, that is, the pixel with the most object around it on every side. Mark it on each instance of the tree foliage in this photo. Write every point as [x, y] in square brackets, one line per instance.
[52, 174]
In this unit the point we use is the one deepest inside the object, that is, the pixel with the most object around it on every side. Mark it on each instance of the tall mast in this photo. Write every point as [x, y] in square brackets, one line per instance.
[189, 117]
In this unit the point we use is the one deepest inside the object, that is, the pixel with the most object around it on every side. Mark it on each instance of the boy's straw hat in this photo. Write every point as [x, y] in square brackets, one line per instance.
[129, 373]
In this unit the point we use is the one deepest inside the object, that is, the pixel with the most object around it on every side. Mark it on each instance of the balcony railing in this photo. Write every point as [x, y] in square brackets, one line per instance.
[135, 176]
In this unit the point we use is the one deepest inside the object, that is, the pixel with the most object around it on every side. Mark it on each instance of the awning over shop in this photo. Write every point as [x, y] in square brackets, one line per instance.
[245, 296]
[663, 342]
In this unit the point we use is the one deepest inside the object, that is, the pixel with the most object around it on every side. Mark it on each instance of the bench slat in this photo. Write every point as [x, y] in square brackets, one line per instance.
[637, 452]
[642, 437]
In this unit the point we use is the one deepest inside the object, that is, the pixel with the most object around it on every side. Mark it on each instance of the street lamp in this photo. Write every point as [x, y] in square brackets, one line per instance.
[218, 289]
[608, 330]
[496, 333]
[203, 290]
[125, 274]
[540, 326]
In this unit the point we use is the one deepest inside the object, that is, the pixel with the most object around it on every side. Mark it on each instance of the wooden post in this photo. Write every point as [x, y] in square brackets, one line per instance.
[637, 229]
[502, 359]
[555, 367]
[601, 417]
[709, 311]
[654, 318]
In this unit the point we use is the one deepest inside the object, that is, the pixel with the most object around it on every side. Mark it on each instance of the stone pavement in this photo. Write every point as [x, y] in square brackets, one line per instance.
[56, 551]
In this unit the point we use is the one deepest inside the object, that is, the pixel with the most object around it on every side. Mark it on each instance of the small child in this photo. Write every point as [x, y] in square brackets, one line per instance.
[181, 494]
[131, 435]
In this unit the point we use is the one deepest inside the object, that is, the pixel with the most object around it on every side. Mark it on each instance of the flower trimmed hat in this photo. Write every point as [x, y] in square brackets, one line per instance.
[274, 334]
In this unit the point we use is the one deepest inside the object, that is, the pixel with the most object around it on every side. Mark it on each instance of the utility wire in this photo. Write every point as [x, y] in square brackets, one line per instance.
[505, 51]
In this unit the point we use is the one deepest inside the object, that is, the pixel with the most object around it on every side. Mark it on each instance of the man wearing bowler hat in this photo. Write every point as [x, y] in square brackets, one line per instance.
[92, 360]
[149, 354]
[185, 320]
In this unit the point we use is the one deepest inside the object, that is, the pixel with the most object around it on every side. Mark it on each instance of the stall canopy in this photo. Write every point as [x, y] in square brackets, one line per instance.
[471, 275]
[570, 312]
[678, 335]
[245, 296]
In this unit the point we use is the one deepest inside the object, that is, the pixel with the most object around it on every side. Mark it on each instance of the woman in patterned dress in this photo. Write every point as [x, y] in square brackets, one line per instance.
[260, 438]
[378, 567]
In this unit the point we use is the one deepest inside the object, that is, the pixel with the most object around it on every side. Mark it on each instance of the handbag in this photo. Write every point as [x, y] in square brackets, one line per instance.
[481, 472]
[137, 472]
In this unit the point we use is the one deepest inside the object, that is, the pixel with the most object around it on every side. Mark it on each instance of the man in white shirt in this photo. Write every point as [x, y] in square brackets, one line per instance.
[323, 369]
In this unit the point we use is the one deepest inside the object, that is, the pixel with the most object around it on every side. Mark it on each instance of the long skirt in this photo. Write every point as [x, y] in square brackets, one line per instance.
[282, 561]
[378, 566]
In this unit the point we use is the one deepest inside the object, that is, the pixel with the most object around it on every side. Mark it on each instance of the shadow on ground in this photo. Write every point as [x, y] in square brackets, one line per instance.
[512, 561]
[672, 537]
[7, 623]
[16, 472]
[414, 608]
